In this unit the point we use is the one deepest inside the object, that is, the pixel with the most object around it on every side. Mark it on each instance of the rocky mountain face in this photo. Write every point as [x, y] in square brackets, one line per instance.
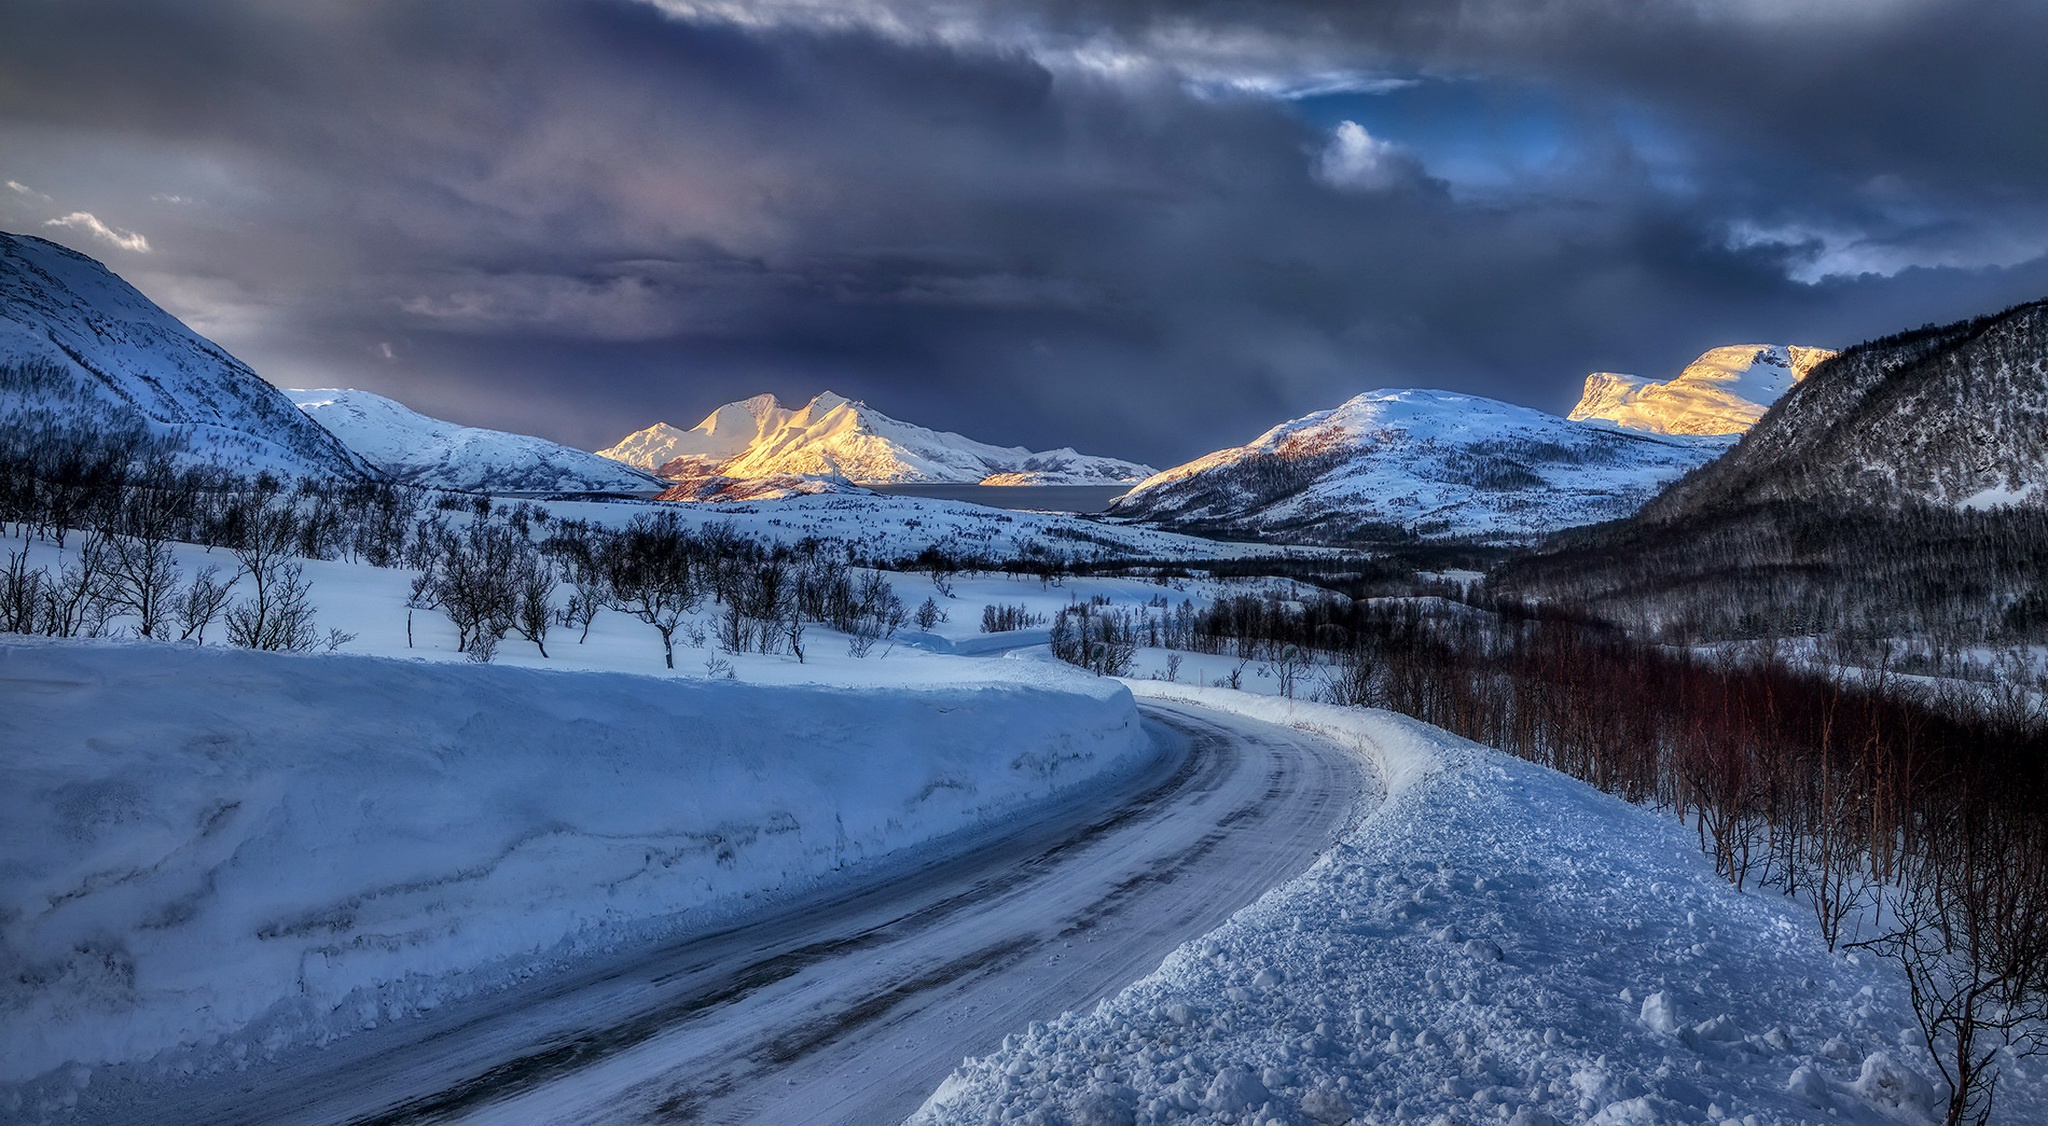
[1723, 392]
[1397, 464]
[417, 450]
[84, 356]
[838, 439]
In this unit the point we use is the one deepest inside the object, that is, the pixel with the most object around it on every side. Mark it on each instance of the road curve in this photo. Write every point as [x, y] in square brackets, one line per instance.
[852, 1008]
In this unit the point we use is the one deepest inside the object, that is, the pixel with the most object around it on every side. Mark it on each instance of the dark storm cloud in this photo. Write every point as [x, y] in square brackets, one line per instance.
[1046, 225]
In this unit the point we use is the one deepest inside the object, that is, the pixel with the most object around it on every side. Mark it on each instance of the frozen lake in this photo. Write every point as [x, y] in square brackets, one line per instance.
[1038, 498]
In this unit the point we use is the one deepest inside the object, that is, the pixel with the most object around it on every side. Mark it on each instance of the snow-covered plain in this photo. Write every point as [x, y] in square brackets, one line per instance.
[899, 527]
[1493, 943]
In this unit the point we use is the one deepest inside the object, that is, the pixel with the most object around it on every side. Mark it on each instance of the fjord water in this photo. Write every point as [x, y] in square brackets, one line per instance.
[1036, 498]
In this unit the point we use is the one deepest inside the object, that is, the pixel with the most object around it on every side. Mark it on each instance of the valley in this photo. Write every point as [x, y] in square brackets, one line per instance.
[1426, 758]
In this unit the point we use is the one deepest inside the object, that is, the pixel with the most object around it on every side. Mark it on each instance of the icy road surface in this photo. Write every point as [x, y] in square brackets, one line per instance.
[854, 1007]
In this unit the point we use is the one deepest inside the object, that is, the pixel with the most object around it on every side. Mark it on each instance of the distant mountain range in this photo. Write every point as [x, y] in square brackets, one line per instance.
[1401, 463]
[1952, 419]
[84, 357]
[417, 450]
[839, 439]
[1396, 463]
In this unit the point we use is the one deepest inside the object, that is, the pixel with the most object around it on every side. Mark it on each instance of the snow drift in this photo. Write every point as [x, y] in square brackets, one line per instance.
[206, 845]
[1494, 943]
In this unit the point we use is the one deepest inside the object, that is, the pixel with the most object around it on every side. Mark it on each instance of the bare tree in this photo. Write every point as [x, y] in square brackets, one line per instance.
[22, 594]
[202, 602]
[1289, 664]
[75, 603]
[142, 575]
[649, 570]
[535, 585]
[263, 546]
[1971, 933]
[1352, 678]
[279, 616]
[586, 600]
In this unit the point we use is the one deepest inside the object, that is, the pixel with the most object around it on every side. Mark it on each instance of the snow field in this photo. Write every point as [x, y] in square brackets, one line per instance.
[1494, 943]
[369, 603]
[893, 527]
[209, 855]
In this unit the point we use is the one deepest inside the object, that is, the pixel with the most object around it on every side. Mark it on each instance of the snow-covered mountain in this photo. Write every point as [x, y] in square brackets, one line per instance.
[418, 450]
[1723, 392]
[1899, 491]
[835, 437]
[1394, 463]
[83, 354]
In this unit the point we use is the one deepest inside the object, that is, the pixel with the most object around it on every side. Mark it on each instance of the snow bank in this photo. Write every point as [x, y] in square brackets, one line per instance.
[1494, 943]
[199, 845]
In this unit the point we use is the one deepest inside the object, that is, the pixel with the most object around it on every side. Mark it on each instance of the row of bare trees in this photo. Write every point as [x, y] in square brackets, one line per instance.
[113, 508]
[491, 578]
[124, 577]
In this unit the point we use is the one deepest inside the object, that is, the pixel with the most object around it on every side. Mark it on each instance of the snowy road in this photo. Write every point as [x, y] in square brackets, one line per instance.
[851, 1009]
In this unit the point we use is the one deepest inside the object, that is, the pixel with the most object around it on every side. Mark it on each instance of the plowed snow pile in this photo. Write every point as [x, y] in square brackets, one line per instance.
[1495, 943]
[214, 853]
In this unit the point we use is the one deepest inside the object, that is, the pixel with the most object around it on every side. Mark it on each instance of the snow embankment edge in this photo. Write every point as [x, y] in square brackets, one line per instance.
[209, 849]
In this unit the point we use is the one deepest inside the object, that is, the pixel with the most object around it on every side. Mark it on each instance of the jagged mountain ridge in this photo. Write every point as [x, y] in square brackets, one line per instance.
[1725, 391]
[837, 438]
[1954, 416]
[84, 354]
[1396, 463]
[415, 449]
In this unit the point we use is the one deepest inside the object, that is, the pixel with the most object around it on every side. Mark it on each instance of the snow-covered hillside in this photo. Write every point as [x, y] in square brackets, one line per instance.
[1954, 417]
[1723, 392]
[415, 449]
[207, 844]
[1416, 462]
[836, 437]
[83, 354]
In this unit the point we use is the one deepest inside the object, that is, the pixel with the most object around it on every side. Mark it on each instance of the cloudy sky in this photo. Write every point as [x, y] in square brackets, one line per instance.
[1140, 227]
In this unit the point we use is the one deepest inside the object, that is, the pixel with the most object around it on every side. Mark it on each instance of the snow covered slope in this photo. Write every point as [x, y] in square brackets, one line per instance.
[82, 353]
[418, 450]
[1496, 943]
[1723, 392]
[1955, 416]
[1416, 462]
[208, 844]
[836, 437]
